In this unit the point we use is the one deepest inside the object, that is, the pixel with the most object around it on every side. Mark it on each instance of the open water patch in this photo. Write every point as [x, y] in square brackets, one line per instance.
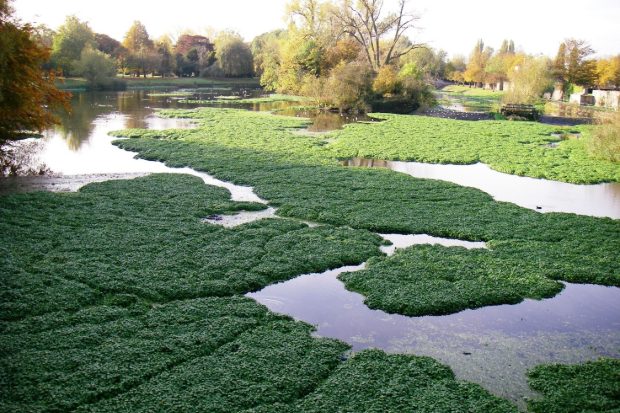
[600, 200]
[493, 346]
[243, 217]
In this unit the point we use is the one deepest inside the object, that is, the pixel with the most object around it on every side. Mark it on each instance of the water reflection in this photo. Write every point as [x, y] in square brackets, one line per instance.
[138, 107]
[493, 346]
[78, 126]
[602, 200]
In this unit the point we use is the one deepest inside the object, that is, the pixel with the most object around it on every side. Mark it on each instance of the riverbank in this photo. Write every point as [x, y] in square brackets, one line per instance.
[134, 83]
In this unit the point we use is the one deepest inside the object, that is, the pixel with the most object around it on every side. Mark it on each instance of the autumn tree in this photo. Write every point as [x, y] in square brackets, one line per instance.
[68, 43]
[313, 19]
[571, 64]
[381, 35]
[163, 47]
[193, 54]
[266, 56]
[529, 78]
[431, 64]
[142, 56]
[28, 96]
[108, 45]
[608, 72]
[43, 35]
[343, 50]
[478, 60]
[499, 64]
[455, 69]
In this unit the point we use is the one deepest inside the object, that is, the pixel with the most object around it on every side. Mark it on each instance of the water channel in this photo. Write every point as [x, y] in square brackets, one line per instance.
[493, 346]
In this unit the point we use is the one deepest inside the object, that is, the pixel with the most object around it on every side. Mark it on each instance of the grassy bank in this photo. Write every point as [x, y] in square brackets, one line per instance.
[472, 91]
[301, 177]
[118, 298]
[164, 83]
[233, 100]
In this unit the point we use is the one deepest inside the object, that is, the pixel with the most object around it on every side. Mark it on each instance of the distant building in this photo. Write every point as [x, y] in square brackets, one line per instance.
[607, 98]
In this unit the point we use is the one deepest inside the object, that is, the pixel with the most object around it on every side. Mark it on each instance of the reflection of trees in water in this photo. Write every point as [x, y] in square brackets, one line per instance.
[326, 121]
[21, 158]
[138, 104]
[75, 127]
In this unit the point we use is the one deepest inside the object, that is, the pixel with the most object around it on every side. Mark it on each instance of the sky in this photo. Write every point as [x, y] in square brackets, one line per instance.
[536, 26]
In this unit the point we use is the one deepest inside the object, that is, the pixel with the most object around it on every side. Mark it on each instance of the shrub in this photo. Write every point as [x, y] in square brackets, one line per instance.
[349, 86]
[386, 82]
[605, 141]
[96, 67]
[528, 81]
[314, 88]
[414, 87]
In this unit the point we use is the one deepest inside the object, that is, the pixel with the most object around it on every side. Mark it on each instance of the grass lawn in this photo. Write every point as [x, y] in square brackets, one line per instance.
[472, 91]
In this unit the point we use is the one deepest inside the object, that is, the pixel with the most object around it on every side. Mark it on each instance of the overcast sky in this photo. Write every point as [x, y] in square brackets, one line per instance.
[536, 26]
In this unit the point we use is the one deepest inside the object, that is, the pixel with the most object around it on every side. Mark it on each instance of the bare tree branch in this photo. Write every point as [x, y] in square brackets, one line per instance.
[366, 25]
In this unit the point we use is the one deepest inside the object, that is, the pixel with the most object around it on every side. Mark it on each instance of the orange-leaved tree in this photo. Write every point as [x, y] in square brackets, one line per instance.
[28, 96]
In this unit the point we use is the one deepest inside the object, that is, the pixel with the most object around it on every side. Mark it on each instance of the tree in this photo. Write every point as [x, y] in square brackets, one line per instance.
[430, 64]
[386, 82]
[28, 96]
[43, 35]
[349, 85]
[194, 54]
[608, 72]
[137, 38]
[96, 67]
[381, 37]
[69, 41]
[571, 65]
[163, 47]
[455, 69]
[344, 50]
[233, 55]
[476, 67]
[529, 78]
[499, 64]
[266, 56]
[311, 18]
[108, 45]
[142, 57]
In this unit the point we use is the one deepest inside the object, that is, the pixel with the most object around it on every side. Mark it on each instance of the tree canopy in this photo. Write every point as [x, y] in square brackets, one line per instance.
[69, 41]
[28, 95]
[234, 57]
[571, 64]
